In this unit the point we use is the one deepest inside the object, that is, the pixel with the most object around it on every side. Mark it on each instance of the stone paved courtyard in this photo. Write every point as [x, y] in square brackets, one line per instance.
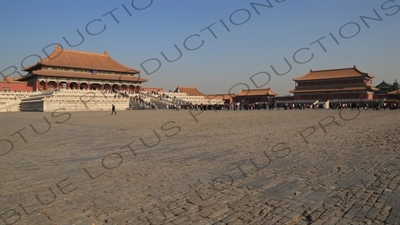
[181, 167]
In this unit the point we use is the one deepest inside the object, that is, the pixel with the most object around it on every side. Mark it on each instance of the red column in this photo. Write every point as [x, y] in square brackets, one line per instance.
[79, 86]
[37, 85]
[68, 86]
[45, 85]
[88, 86]
[58, 85]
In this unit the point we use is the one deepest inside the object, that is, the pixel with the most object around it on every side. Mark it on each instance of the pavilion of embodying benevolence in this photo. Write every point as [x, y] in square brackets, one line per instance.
[70, 69]
[344, 83]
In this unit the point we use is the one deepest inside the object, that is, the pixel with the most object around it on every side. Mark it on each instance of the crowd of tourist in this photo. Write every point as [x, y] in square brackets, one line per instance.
[366, 106]
[141, 103]
[352, 105]
[286, 106]
[174, 103]
[225, 106]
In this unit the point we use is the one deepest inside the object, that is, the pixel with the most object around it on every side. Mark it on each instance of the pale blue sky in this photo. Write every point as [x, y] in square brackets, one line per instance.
[220, 63]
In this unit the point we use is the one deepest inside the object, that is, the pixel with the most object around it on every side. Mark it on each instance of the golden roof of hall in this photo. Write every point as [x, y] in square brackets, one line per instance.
[83, 75]
[65, 58]
[340, 73]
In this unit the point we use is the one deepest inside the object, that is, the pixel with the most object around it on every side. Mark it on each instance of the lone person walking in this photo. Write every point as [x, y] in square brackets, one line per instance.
[113, 110]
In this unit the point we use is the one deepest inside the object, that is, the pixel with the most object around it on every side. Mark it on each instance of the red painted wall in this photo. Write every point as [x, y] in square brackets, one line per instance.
[15, 86]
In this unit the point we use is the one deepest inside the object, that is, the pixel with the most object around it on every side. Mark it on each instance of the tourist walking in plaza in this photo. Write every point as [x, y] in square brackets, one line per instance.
[113, 110]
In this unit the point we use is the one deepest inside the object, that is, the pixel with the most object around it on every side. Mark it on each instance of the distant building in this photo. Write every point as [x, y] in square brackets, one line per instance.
[382, 93]
[191, 95]
[334, 84]
[226, 98]
[188, 90]
[255, 95]
[394, 94]
[383, 87]
[70, 69]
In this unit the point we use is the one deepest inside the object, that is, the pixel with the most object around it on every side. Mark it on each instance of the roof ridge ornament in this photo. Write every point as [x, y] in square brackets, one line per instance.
[105, 52]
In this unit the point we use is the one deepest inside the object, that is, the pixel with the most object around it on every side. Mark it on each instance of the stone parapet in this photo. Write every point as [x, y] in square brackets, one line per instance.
[69, 100]
[10, 100]
[10, 106]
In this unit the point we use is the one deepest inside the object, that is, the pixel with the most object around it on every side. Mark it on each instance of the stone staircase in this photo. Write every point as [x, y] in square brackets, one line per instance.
[10, 101]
